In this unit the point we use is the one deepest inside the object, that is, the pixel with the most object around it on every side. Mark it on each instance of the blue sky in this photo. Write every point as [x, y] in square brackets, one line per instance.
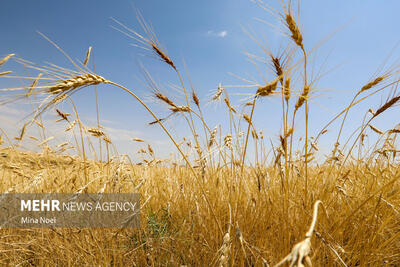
[209, 37]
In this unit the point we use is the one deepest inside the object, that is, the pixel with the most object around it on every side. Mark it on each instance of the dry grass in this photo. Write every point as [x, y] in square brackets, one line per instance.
[361, 223]
[212, 206]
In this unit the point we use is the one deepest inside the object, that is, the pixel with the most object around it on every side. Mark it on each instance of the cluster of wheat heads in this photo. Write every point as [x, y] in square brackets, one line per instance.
[213, 206]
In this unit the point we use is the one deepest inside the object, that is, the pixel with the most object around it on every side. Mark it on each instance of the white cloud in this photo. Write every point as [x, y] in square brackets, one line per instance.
[220, 34]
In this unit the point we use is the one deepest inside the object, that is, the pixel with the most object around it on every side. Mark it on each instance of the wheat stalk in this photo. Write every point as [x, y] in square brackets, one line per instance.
[46, 141]
[34, 84]
[5, 73]
[228, 104]
[300, 252]
[195, 99]
[218, 93]
[372, 83]
[247, 118]
[286, 89]
[71, 125]
[85, 62]
[226, 245]
[294, 30]
[64, 116]
[96, 132]
[302, 98]
[212, 137]
[6, 58]
[75, 82]
[164, 99]
[387, 105]
[373, 128]
[228, 141]
[180, 109]
[22, 133]
[267, 89]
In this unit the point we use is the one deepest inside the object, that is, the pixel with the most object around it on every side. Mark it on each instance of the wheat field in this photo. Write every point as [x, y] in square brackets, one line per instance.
[228, 198]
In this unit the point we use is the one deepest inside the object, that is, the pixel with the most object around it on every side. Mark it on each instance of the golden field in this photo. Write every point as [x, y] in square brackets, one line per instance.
[216, 205]
[358, 225]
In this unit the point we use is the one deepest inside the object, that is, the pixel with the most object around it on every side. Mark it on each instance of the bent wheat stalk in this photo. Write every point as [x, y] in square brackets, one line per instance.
[301, 251]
